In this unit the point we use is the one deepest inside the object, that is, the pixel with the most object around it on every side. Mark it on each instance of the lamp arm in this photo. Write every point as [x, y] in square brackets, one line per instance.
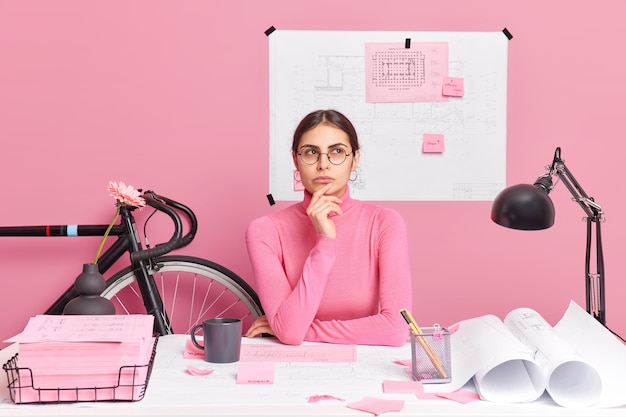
[592, 209]
[594, 282]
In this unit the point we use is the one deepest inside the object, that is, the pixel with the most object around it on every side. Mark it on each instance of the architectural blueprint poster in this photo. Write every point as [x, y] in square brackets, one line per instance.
[312, 70]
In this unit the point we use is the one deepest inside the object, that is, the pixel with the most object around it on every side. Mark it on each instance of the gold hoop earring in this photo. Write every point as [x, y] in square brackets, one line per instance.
[297, 181]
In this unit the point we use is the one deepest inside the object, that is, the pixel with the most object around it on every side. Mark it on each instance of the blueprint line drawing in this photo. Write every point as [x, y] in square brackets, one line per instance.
[312, 70]
[391, 67]
[395, 73]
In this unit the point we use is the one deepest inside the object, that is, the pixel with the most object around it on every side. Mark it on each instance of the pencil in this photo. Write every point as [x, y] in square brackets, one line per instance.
[428, 349]
[419, 331]
[406, 316]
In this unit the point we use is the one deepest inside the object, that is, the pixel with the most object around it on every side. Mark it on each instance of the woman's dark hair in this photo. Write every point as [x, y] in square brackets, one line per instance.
[331, 117]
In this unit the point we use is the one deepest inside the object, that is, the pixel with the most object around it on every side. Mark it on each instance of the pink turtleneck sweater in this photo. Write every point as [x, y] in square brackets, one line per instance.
[346, 290]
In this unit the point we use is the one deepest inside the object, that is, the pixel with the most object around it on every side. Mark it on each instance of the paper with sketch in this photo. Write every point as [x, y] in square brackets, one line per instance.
[83, 357]
[325, 352]
[395, 73]
[517, 359]
[569, 379]
[602, 350]
[502, 367]
[85, 328]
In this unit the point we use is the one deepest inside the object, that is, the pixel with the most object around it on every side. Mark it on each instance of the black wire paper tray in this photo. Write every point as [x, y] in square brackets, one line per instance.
[131, 385]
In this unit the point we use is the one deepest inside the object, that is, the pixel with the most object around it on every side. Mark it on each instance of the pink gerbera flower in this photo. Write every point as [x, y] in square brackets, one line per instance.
[124, 195]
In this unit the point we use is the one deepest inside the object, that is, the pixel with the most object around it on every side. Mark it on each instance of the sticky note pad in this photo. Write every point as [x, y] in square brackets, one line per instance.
[462, 396]
[453, 86]
[192, 352]
[255, 373]
[432, 143]
[396, 387]
[377, 406]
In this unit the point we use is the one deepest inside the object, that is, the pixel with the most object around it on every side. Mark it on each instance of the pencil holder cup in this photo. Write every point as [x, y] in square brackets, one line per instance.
[430, 356]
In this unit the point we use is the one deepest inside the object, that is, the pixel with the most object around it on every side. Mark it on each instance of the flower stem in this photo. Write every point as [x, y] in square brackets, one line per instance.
[106, 234]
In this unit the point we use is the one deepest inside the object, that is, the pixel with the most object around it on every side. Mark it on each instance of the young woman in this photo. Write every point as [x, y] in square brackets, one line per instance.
[330, 268]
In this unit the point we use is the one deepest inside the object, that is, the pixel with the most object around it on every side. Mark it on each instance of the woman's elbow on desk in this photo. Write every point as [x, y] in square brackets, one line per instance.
[288, 338]
[399, 340]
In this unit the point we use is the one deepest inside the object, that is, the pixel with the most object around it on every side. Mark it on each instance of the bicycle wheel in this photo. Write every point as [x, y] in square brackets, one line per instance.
[192, 290]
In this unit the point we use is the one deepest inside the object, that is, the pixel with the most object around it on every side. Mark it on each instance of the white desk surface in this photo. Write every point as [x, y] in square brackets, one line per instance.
[171, 391]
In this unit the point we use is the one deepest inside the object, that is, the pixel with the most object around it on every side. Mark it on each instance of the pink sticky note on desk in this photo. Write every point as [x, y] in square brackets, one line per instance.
[453, 86]
[404, 362]
[399, 387]
[433, 143]
[192, 352]
[255, 373]
[462, 396]
[377, 406]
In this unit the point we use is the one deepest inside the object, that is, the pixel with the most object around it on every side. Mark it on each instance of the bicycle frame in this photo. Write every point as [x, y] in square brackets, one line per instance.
[128, 241]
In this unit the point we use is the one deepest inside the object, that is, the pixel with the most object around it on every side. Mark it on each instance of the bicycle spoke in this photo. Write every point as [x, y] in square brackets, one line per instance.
[193, 301]
[171, 310]
[202, 307]
[223, 313]
[187, 283]
[122, 305]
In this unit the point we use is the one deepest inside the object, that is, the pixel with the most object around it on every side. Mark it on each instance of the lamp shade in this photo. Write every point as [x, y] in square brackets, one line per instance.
[523, 207]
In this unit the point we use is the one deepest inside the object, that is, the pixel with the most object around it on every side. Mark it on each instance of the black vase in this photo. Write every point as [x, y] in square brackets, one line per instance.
[89, 285]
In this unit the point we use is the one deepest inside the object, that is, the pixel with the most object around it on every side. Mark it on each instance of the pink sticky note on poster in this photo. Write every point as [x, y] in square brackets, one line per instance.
[255, 373]
[453, 86]
[433, 143]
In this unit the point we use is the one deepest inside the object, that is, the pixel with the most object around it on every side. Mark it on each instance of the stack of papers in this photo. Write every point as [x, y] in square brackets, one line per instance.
[83, 358]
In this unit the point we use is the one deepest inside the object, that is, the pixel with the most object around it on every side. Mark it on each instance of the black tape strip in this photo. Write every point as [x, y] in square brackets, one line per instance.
[507, 33]
[271, 199]
[270, 30]
[407, 43]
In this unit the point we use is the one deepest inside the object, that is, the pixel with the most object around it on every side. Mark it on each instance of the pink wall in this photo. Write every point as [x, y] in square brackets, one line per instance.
[173, 96]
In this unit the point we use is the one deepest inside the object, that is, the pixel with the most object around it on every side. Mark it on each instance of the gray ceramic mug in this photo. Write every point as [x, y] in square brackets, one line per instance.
[222, 339]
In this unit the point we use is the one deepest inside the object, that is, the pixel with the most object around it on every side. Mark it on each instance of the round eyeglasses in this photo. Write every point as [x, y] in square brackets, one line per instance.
[336, 156]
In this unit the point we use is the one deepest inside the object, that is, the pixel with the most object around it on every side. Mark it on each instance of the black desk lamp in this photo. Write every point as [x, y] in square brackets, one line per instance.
[528, 207]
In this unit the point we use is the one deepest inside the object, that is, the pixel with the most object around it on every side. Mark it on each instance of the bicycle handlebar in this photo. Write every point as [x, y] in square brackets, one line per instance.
[171, 208]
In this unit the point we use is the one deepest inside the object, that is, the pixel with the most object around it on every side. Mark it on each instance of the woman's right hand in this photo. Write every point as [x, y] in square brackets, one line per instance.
[321, 210]
[259, 326]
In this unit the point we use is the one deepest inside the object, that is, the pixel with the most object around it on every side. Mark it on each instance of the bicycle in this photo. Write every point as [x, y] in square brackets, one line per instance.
[155, 279]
